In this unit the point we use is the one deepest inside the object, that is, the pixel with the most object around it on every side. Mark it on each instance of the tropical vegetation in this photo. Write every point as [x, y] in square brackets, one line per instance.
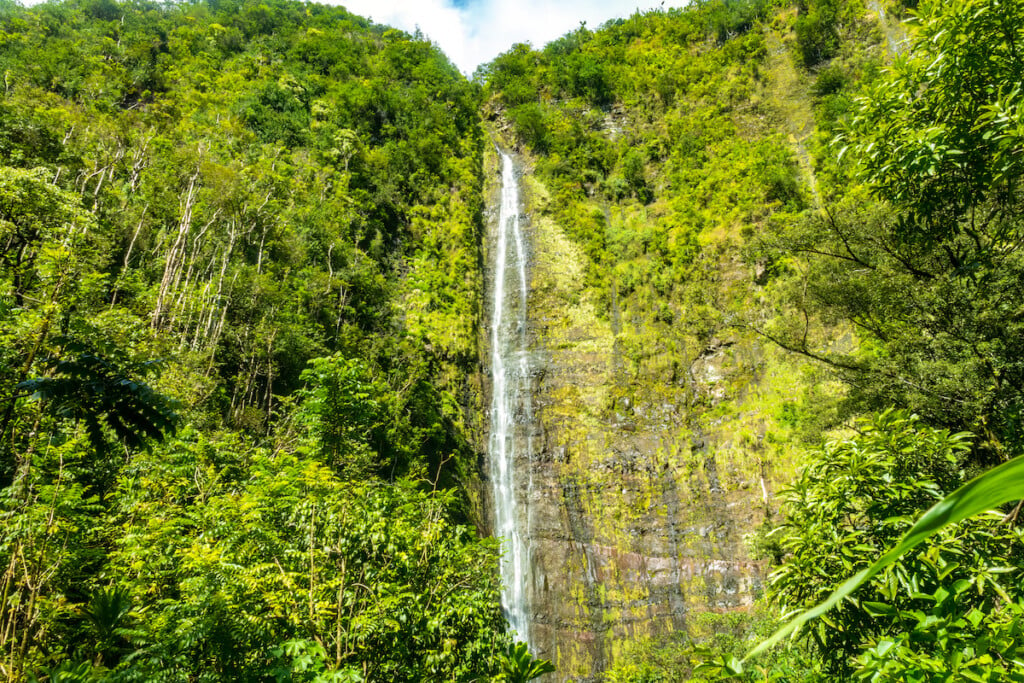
[241, 404]
[884, 248]
[238, 386]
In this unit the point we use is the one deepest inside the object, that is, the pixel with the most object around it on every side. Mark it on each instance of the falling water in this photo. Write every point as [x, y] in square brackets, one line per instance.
[510, 402]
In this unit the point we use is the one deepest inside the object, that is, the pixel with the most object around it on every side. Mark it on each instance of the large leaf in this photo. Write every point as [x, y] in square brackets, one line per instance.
[94, 389]
[999, 485]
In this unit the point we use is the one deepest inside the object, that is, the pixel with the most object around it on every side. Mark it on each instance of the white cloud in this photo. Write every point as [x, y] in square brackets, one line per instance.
[483, 29]
[444, 24]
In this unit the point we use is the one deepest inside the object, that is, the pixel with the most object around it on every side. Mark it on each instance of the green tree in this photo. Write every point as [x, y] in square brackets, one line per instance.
[46, 248]
[236, 188]
[635, 176]
[260, 550]
[97, 391]
[531, 125]
[948, 610]
[928, 268]
[513, 74]
[347, 412]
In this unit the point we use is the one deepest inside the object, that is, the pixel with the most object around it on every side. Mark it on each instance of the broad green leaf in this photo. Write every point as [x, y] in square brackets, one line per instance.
[878, 609]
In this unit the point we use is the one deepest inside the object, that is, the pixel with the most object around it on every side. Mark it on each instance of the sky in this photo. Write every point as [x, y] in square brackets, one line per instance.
[473, 32]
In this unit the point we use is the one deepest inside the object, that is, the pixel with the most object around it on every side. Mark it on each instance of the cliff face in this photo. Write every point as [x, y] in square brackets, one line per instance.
[647, 469]
[663, 423]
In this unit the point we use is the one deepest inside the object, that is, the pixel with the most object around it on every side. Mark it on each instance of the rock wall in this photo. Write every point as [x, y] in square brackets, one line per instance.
[650, 461]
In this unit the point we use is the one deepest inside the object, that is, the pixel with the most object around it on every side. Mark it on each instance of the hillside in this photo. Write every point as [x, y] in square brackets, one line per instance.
[748, 242]
[774, 262]
[239, 309]
[659, 151]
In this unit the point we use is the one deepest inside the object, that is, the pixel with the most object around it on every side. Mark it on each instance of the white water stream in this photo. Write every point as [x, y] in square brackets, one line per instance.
[510, 402]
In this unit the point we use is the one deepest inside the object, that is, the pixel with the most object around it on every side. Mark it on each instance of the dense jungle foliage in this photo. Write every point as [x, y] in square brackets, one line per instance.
[239, 301]
[844, 185]
[240, 403]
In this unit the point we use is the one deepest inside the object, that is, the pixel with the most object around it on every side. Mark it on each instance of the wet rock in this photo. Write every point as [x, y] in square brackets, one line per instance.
[636, 513]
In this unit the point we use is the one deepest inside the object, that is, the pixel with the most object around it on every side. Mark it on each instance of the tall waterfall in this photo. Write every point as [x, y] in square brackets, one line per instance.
[511, 412]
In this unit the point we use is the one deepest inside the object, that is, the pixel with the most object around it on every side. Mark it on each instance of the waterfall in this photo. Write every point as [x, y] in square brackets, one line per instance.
[511, 412]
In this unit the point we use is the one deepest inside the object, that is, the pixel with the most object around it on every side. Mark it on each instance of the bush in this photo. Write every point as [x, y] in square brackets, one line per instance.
[945, 605]
[531, 126]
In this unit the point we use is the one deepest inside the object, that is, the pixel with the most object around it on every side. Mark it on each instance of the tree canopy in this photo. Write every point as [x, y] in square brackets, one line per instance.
[239, 303]
[241, 397]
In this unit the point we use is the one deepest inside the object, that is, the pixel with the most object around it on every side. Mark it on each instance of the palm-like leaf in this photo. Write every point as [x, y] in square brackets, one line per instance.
[108, 609]
[519, 666]
[100, 391]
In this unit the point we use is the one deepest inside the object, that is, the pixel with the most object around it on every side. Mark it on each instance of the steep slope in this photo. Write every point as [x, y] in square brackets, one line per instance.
[656, 151]
[278, 206]
[242, 405]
